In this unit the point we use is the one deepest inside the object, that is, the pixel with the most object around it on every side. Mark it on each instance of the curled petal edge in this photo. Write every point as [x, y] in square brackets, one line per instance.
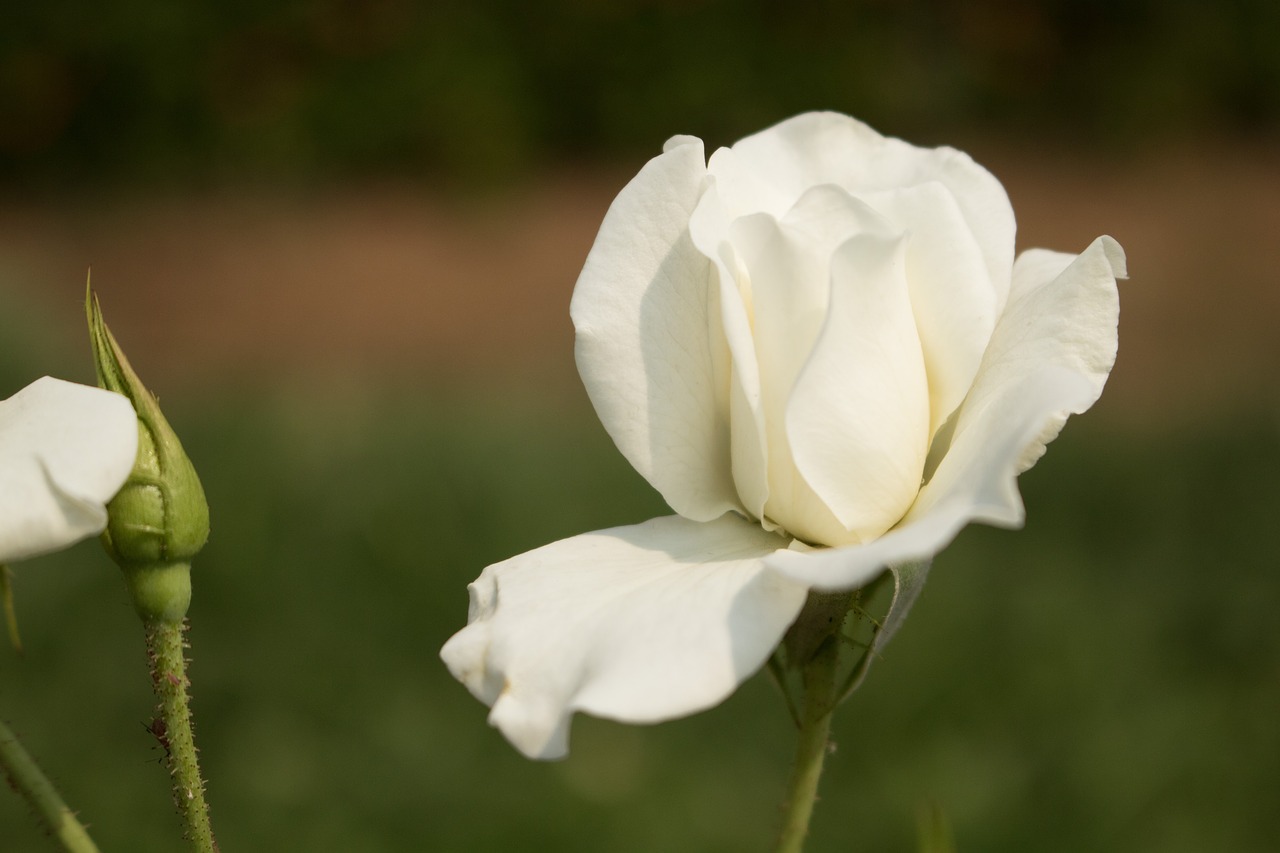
[638, 624]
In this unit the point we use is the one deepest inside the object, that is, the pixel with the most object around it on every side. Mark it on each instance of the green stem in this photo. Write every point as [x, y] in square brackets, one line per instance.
[165, 647]
[10, 614]
[25, 776]
[819, 680]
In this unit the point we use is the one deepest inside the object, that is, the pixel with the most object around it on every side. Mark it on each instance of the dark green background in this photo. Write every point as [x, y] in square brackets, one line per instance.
[1102, 680]
[1105, 679]
[462, 91]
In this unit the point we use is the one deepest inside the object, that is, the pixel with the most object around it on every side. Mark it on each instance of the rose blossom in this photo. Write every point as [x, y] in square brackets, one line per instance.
[65, 450]
[819, 348]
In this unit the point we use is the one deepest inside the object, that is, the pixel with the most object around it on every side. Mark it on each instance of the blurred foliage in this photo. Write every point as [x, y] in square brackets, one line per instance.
[1103, 680]
[479, 91]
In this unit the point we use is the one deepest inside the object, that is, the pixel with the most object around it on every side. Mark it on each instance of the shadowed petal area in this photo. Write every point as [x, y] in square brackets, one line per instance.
[736, 365]
[644, 347]
[638, 624]
[65, 450]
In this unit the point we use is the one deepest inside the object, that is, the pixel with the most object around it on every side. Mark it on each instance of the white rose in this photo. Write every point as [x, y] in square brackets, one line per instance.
[65, 450]
[819, 349]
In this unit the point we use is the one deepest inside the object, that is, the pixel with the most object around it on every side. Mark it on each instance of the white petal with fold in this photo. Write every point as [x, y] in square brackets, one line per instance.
[644, 350]
[1062, 312]
[954, 301]
[732, 320]
[638, 624]
[858, 418]
[788, 264]
[829, 148]
[65, 450]
[977, 483]
[1049, 356]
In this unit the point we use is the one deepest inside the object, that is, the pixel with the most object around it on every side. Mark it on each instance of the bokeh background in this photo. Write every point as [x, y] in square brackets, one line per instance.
[339, 239]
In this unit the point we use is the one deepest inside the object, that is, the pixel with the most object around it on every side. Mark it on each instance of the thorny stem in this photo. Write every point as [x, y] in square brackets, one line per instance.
[27, 778]
[819, 679]
[165, 648]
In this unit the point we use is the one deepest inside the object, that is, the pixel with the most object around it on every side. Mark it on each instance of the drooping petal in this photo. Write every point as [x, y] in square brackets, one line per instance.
[977, 481]
[641, 311]
[829, 148]
[65, 450]
[858, 418]
[953, 298]
[638, 624]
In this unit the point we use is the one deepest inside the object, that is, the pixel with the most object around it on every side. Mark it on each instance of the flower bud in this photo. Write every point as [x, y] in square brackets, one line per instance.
[159, 520]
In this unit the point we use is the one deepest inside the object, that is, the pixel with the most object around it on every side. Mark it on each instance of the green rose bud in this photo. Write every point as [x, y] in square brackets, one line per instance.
[159, 520]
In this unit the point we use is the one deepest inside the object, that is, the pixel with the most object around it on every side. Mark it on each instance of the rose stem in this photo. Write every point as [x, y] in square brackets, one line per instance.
[28, 780]
[165, 648]
[819, 680]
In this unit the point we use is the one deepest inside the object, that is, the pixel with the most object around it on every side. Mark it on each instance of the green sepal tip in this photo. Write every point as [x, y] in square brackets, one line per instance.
[159, 520]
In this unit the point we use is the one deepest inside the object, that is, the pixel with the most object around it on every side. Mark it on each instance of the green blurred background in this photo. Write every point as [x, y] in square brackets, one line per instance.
[339, 239]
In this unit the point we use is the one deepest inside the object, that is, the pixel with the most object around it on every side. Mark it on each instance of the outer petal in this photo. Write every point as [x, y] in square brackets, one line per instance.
[639, 624]
[1063, 312]
[830, 148]
[644, 346]
[977, 483]
[65, 450]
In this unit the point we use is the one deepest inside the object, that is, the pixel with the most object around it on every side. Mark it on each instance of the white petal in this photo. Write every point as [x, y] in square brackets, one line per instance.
[642, 313]
[830, 148]
[858, 419]
[789, 264]
[788, 268]
[745, 191]
[638, 624]
[65, 450]
[1062, 312]
[736, 368]
[1049, 356]
[953, 298]
[977, 481]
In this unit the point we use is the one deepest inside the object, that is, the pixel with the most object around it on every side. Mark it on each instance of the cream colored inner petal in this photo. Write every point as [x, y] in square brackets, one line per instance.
[786, 266]
[744, 191]
[749, 447]
[731, 315]
[818, 148]
[953, 298]
[858, 418]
